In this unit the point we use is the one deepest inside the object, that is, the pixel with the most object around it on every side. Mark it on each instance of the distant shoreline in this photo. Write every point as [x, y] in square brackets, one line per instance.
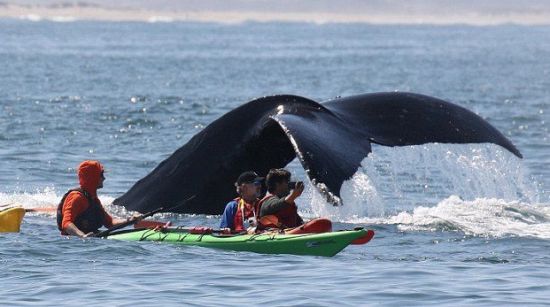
[97, 13]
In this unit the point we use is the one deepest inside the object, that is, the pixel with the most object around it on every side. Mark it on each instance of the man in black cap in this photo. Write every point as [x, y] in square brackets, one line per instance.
[240, 213]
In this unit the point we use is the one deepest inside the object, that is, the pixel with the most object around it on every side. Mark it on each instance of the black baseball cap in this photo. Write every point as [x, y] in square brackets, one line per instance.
[249, 177]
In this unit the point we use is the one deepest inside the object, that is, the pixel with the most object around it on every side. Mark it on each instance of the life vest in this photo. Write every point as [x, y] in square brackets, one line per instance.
[90, 220]
[243, 214]
[286, 217]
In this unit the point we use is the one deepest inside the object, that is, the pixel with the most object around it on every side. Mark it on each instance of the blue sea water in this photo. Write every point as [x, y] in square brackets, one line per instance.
[455, 224]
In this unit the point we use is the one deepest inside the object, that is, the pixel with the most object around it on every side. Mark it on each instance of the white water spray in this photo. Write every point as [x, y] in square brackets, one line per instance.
[403, 183]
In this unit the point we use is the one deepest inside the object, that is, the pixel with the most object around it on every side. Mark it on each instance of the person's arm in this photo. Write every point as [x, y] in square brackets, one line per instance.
[72, 230]
[274, 204]
[110, 221]
[119, 221]
[228, 216]
[295, 193]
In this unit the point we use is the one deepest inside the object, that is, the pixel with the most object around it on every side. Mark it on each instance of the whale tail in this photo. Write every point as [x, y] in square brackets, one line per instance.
[330, 140]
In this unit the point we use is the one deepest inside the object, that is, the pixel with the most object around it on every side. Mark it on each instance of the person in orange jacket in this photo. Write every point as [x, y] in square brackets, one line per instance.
[80, 212]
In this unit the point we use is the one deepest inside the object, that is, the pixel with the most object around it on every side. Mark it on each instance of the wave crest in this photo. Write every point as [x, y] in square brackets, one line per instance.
[480, 217]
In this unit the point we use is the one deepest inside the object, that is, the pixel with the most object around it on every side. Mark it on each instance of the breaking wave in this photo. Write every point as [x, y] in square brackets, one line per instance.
[480, 217]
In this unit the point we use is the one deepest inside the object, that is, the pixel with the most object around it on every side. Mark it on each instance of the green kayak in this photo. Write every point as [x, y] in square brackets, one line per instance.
[319, 244]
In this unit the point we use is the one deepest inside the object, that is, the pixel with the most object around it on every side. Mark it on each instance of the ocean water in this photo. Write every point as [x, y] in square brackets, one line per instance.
[455, 224]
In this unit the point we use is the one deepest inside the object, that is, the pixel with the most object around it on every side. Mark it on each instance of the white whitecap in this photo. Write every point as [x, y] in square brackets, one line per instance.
[31, 17]
[481, 217]
[63, 19]
[155, 19]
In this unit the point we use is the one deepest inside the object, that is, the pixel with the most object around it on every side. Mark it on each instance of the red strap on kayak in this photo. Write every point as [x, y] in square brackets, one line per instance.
[151, 224]
[201, 230]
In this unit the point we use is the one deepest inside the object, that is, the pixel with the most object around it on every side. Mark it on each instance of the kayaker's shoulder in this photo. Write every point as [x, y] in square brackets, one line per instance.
[272, 199]
[231, 204]
[75, 193]
[75, 196]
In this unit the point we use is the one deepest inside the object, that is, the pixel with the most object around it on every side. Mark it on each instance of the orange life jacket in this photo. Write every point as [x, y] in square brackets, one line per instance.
[90, 220]
[243, 214]
[287, 217]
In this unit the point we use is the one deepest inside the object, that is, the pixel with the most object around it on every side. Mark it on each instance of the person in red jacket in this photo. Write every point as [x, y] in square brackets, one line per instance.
[80, 212]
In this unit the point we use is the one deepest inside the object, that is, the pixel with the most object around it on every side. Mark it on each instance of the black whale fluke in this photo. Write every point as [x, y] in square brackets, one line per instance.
[330, 139]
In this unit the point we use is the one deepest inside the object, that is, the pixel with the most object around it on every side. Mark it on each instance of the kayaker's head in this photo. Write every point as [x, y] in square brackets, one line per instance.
[277, 182]
[91, 175]
[249, 185]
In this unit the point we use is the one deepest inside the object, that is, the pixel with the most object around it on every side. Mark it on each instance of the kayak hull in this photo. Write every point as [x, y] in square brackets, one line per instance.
[322, 244]
[10, 219]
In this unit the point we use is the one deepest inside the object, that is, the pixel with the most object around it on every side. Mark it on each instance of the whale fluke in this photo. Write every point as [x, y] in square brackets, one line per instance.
[330, 140]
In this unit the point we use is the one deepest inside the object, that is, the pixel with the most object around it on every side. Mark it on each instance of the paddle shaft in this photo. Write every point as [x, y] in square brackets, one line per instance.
[36, 210]
[42, 210]
[141, 217]
[127, 223]
[192, 230]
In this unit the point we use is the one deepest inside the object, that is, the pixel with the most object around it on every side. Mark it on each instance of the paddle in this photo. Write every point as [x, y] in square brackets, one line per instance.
[201, 230]
[106, 233]
[53, 210]
[37, 210]
[127, 223]
[197, 230]
[42, 210]
[48, 209]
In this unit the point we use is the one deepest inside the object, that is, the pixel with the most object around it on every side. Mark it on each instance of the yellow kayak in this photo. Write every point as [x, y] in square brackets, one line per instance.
[10, 219]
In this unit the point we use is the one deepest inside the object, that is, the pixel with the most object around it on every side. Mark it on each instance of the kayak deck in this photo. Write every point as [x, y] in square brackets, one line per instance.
[321, 244]
[10, 219]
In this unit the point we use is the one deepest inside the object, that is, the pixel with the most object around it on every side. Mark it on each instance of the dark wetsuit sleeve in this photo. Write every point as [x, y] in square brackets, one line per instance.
[272, 206]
